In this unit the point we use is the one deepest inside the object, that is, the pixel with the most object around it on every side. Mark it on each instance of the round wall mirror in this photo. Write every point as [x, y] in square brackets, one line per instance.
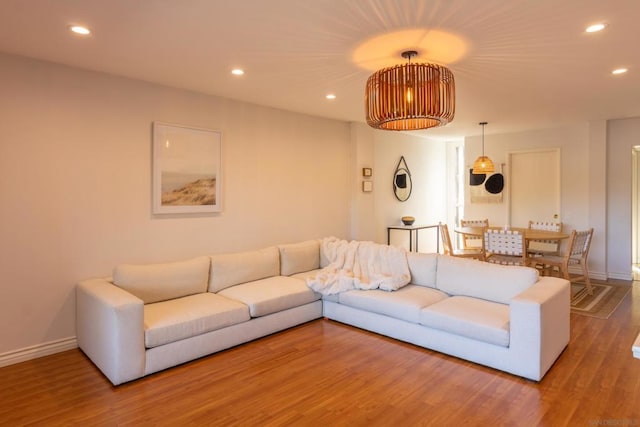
[402, 184]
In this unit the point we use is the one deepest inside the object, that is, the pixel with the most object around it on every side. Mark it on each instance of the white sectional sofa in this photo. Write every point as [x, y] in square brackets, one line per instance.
[147, 318]
[504, 317]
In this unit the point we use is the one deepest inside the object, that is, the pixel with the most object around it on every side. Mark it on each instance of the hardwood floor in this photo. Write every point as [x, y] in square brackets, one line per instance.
[326, 373]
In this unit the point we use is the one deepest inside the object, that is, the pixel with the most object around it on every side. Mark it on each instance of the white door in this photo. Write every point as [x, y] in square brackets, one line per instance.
[534, 186]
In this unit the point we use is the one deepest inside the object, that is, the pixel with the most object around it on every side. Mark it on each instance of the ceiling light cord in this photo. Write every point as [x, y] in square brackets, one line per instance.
[483, 125]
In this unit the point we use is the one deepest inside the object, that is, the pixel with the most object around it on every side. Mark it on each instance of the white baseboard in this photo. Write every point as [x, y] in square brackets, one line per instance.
[621, 276]
[38, 350]
[599, 275]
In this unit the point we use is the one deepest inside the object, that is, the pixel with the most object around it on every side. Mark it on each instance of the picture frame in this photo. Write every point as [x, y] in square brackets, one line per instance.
[187, 170]
[367, 172]
[367, 186]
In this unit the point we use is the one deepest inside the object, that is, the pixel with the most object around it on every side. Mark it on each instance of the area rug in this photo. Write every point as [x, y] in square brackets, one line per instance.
[604, 301]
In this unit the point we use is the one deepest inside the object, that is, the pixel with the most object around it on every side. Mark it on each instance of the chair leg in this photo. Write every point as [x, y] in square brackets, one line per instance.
[565, 272]
[585, 271]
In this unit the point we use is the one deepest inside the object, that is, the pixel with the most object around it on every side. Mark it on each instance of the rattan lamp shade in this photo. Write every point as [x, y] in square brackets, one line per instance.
[410, 97]
[483, 164]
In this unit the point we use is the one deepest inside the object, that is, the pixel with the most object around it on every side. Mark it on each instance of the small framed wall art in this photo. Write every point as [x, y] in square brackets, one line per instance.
[367, 172]
[367, 186]
[186, 169]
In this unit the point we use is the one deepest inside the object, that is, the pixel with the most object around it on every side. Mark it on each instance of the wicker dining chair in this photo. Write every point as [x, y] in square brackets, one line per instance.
[476, 253]
[506, 247]
[472, 242]
[544, 247]
[576, 254]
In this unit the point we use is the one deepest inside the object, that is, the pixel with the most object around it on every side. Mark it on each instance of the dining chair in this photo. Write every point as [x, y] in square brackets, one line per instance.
[472, 242]
[544, 247]
[476, 253]
[505, 247]
[576, 254]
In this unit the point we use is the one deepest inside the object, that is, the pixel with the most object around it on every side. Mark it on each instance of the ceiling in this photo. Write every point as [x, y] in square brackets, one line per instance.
[518, 64]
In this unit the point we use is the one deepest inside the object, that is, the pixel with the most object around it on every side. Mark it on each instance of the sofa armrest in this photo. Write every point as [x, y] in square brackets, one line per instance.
[540, 324]
[110, 329]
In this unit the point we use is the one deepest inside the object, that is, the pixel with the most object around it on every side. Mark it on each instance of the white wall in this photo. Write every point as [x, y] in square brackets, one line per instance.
[426, 160]
[75, 183]
[363, 221]
[622, 136]
[374, 212]
[597, 191]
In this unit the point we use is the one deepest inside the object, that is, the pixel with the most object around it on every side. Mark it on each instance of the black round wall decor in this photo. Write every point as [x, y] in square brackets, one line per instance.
[495, 183]
[476, 178]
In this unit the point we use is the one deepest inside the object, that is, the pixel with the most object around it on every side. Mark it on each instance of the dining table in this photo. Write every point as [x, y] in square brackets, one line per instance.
[529, 233]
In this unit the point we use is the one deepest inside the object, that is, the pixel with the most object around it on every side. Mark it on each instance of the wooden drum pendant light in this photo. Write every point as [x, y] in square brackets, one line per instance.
[410, 96]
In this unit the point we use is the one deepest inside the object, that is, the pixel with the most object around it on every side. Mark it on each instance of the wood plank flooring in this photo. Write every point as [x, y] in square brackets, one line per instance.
[324, 373]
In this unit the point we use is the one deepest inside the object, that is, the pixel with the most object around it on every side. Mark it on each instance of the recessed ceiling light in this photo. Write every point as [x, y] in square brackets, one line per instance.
[330, 96]
[237, 72]
[78, 29]
[619, 71]
[595, 28]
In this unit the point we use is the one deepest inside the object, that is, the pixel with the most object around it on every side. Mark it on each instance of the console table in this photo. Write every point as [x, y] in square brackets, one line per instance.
[413, 229]
[636, 347]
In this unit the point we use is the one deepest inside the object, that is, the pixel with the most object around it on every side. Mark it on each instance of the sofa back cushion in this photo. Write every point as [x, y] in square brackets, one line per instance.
[492, 282]
[423, 268]
[160, 282]
[299, 257]
[324, 258]
[242, 267]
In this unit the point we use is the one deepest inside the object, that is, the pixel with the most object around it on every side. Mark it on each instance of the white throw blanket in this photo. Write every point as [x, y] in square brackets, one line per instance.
[360, 265]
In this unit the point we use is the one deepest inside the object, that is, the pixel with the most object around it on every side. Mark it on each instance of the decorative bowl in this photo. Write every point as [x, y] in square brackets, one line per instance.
[408, 220]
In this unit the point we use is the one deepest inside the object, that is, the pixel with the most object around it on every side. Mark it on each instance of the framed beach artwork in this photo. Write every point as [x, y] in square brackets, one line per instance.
[186, 169]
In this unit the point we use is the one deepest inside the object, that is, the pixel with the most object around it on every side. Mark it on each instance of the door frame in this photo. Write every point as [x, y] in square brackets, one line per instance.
[635, 202]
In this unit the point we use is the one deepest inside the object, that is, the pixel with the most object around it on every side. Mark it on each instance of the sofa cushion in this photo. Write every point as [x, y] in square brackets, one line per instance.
[181, 318]
[158, 282]
[299, 257]
[271, 295]
[241, 267]
[469, 317]
[498, 283]
[423, 268]
[405, 303]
